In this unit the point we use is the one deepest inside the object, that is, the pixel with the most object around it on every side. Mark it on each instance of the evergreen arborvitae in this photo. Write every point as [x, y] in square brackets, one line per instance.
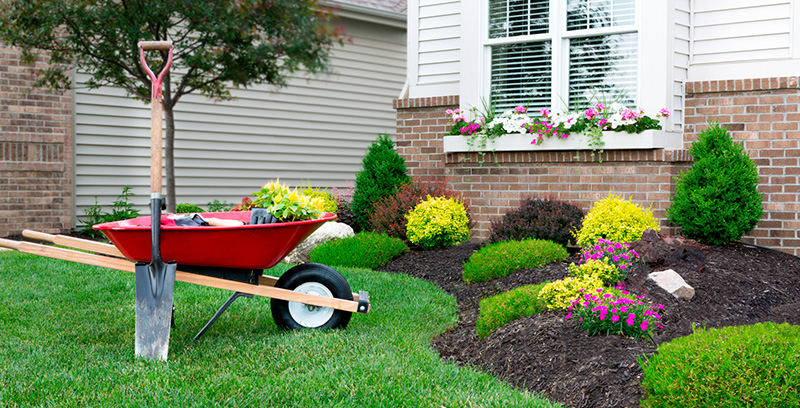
[716, 200]
[384, 170]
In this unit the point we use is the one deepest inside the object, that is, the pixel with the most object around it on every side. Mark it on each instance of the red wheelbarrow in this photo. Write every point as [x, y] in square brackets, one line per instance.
[225, 257]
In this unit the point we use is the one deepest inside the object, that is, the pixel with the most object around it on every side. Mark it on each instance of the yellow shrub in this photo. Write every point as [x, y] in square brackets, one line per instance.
[559, 294]
[599, 269]
[438, 222]
[616, 219]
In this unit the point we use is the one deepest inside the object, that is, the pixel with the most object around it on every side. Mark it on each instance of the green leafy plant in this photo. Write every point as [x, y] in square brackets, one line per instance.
[736, 366]
[93, 214]
[184, 208]
[716, 201]
[217, 206]
[362, 250]
[328, 200]
[561, 293]
[287, 205]
[383, 171]
[500, 259]
[497, 311]
[600, 269]
[438, 222]
[605, 312]
[389, 215]
[615, 219]
[548, 219]
[122, 207]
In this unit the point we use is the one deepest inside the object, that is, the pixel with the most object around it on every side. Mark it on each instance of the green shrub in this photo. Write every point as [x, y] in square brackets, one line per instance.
[217, 206]
[500, 259]
[552, 220]
[739, 366]
[328, 200]
[383, 171]
[497, 311]
[716, 200]
[438, 222]
[561, 293]
[121, 209]
[616, 219]
[600, 269]
[184, 208]
[362, 250]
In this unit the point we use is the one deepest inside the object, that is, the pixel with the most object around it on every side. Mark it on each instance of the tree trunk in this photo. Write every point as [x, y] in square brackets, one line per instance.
[169, 147]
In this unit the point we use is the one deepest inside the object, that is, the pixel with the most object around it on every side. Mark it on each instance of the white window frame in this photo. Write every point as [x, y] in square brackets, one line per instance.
[655, 35]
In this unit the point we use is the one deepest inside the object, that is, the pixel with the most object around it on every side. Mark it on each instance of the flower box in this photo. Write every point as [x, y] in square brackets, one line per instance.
[649, 139]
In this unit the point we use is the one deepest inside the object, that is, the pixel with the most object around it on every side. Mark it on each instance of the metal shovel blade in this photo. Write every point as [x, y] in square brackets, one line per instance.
[155, 284]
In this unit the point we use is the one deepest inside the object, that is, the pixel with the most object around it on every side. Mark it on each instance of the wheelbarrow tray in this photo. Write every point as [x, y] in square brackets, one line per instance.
[259, 246]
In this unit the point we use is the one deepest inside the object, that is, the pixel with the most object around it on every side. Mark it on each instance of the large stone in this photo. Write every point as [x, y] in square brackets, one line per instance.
[673, 283]
[325, 233]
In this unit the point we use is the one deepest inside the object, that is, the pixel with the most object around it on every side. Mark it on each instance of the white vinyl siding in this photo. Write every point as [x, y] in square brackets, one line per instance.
[739, 30]
[438, 28]
[313, 132]
[681, 61]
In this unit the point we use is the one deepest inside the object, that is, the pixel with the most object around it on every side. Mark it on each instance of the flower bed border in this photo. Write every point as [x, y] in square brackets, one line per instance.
[649, 139]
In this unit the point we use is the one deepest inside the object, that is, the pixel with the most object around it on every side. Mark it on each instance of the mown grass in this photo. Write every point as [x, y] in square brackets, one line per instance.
[66, 340]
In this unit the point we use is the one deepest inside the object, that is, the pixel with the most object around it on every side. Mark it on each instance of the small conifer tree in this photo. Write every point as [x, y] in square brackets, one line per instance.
[384, 170]
[716, 200]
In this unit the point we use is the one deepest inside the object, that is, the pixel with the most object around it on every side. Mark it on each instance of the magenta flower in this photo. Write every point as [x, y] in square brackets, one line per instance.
[623, 267]
[520, 109]
[568, 315]
[590, 113]
[631, 318]
[599, 106]
[664, 112]
[644, 325]
[614, 318]
[545, 112]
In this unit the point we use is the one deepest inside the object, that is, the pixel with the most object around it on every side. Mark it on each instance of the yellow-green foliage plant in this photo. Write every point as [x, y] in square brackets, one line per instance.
[616, 219]
[328, 200]
[561, 293]
[599, 269]
[438, 222]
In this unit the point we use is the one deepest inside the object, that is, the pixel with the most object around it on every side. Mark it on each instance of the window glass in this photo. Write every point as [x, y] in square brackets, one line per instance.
[511, 18]
[521, 74]
[586, 14]
[605, 64]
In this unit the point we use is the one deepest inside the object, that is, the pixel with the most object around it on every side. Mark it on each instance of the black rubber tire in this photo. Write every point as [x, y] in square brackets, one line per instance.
[312, 272]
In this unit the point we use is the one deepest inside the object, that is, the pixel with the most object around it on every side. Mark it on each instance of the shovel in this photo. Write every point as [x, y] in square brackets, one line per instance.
[155, 282]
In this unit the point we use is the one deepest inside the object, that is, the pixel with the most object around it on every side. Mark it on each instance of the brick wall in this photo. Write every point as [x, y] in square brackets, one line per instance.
[763, 114]
[35, 150]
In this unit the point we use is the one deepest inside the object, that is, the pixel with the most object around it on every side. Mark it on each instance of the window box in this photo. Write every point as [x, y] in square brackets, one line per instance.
[649, 139]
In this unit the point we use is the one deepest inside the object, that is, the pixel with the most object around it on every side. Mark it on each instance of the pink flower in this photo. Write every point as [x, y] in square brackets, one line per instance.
[631, 318]
[545, 112]
[660, 306]
[520, 109]
[568, 315]
[664, 112]
[644, 325]
[449, 111]
[590, 113]
[599, 106]
[614, 318]
[623, 267]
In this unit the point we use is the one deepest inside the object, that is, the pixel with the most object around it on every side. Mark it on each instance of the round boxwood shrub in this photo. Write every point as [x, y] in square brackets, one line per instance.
[716, 200]
[560, 294]
[615, 219]
[389, 213]
[548, 219]
[438, 222]
[362, 250]
[737, 366]
[184, 208]
[383, 171]
[500, 259]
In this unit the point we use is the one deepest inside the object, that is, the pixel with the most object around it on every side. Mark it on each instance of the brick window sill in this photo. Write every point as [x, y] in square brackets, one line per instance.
[649, 139]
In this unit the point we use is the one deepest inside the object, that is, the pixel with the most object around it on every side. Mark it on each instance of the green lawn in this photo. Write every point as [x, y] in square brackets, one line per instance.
[66, 340]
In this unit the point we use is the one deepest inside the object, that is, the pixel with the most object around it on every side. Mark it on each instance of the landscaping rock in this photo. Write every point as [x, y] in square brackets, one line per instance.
[657, 249]
[673, 283]
[325, 233]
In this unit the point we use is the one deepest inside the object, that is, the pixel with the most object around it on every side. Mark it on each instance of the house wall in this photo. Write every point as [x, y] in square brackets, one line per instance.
[315, 131]
[761, 113]
[434, 59]
[35, 150]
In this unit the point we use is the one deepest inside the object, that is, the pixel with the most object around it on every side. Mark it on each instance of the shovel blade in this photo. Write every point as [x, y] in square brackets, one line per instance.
[155, 284]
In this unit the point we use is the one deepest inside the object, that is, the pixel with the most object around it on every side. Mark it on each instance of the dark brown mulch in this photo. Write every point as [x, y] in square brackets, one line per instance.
[735, 285]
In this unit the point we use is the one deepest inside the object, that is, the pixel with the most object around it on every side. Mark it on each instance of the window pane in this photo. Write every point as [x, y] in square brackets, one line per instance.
[521, 74]
[511, 18]
[584, 14]
[604, 65]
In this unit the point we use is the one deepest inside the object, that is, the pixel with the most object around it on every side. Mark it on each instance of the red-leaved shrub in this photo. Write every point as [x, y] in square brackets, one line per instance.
[548, 219]
[388, 214]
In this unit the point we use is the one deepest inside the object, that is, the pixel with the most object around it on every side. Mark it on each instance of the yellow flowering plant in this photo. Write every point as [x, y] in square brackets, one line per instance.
[288, 205]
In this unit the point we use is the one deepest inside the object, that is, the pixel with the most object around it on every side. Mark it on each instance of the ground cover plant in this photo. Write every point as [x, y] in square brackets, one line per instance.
[500, 259]
[717, 201]
[500, 309]
[362, 250]
[67, 333]
[547, 219]
[757, 365]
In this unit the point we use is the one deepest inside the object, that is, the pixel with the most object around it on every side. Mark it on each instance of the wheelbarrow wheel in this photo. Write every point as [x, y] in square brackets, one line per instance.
[312, 279]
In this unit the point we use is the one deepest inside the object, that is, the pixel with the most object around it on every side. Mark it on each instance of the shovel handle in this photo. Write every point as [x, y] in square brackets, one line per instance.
[157, 109]
[155, 45]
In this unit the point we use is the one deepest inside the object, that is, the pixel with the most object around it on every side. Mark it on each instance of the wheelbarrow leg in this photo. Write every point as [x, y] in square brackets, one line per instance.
[221, 311]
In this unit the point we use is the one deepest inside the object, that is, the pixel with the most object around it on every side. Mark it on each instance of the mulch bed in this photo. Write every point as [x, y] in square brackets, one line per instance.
[544, 353]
